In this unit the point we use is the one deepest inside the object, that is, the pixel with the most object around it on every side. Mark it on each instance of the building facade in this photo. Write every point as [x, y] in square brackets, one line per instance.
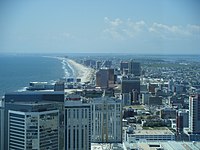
[105, 78]
[131, 85]
[33, 130]
[106, 114]
[34, 103]
[134, 68]
[77, 125]
[194, 114]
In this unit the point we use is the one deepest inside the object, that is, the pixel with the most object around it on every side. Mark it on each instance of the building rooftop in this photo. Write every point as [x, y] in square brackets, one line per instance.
[169, 145]
[33, 103]
[153, 131]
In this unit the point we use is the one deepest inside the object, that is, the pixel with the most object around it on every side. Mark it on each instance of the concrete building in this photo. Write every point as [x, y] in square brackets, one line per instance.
[107, 64]
[194, 114]
[35, 103]
[77, 125]
[98, 65]
[162, 145]
[145, 98]
[132, 136]
[33, 130]
[59, 86]
[168, 113]
[155, 100]
[134, 68]
[106, 117]
[123, 66]
[105, 78]
[126, 99]
[130, 84]
[182, 120]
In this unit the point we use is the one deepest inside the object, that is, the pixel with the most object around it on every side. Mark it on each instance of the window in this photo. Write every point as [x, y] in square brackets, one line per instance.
[69, 113]
[85, 113]
[77, 113]
[74, 114]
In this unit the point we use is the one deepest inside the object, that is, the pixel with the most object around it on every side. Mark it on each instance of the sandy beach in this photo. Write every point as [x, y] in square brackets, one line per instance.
[83, 72]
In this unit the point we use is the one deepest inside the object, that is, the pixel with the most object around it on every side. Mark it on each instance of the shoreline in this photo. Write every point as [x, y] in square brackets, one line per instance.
[77, 70]
[81, 71]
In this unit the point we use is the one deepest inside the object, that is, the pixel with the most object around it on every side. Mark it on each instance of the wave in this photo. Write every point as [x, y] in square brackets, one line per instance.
[22, 89]
[68, 69]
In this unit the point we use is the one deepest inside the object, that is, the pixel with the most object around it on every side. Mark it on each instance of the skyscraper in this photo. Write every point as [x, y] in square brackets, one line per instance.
[194, 114]
[28, 105]
[106, 117]
[33, 130]
[194, 118]
[134, 68]
[131, 85]
[123, 66]
[77, 125]
[105, 78]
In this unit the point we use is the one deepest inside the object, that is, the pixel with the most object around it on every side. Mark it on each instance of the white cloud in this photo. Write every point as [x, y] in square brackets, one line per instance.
[166, 31]
[128, 29]
[119, 29]
[113, 23]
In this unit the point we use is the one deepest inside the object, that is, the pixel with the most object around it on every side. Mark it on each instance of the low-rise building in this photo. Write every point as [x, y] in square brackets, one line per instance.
[161, 134]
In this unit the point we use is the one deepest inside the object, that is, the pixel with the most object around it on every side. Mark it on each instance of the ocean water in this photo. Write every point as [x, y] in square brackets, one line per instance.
[16, 71]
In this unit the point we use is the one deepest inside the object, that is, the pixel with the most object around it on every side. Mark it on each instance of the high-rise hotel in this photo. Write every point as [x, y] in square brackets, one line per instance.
[33, 130]
[77, 125]
[106, 114]
[194, 117]
[32, 120]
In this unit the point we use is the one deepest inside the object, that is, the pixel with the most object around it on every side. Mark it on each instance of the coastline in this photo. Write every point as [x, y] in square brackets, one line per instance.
[81, 71]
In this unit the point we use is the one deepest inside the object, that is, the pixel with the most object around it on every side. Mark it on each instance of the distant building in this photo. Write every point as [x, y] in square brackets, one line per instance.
[133, 136]
[40, 86]
[77, 125]
[123, 67]
[171, 85]
[107, 64]
[106, 117]
[168, 113]
[105, 78]
[155, 100]
[126, 99]
[89, 63]
[182, 120]
[59, 86]
[98, 65]
[134, 68]
[152, 87]
[130, 85]
[194, 114]
[145, 98]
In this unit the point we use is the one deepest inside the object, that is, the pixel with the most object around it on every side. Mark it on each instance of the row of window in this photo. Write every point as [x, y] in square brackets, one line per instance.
[77, 113]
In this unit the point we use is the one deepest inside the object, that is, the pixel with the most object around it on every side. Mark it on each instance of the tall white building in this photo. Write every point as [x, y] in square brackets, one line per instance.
[106, 117]
[33, 130]
[77, 125]
[194, 114]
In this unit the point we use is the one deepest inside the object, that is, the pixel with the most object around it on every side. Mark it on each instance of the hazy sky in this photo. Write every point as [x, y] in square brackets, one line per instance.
[130, 26]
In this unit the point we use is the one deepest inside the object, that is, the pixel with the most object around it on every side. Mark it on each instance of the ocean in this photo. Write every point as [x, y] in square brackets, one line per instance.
[17, 71]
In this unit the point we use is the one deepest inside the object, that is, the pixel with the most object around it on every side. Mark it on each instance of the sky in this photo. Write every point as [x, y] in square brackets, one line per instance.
[100, 26]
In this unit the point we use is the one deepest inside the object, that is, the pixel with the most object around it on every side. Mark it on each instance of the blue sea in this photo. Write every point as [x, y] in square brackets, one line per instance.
[16, 71]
